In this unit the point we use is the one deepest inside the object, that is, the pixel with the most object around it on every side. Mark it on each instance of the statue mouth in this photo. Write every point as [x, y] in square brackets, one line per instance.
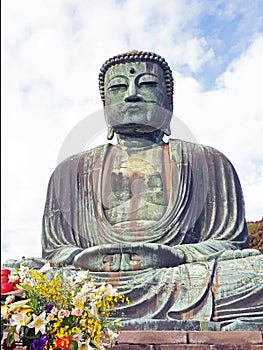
[134, 107]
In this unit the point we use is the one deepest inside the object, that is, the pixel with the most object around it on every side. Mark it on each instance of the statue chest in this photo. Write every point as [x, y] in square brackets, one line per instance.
[134, 193]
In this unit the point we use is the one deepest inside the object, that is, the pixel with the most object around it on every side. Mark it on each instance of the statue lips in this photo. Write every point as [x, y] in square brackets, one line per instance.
[135, 107]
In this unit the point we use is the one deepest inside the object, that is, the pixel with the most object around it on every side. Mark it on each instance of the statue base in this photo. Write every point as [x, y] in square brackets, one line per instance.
[185, 340]
[192, 340]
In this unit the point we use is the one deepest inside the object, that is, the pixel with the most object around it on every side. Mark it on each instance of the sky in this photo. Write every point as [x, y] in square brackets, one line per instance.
[52, 52]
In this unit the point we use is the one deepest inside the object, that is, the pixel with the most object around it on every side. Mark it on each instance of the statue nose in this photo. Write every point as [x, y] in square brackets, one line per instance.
[132, 94]
[133, 98]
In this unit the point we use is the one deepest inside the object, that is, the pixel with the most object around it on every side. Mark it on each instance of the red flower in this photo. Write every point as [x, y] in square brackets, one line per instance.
[62, 343]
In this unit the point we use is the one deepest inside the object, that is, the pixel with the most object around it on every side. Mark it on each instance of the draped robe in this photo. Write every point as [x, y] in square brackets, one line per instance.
[204, 218]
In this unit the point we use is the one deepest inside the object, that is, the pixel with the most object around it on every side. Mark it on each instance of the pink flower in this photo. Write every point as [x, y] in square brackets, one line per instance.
[63, 313]
[54, 311]
[77, 312]
[50, 317]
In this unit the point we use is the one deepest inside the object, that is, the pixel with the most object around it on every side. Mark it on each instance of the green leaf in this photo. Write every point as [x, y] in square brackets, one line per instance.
[74, 345]
[11, 336]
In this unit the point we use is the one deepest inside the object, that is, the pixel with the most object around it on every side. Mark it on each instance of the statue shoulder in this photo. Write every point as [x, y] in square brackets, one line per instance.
[177, 145]
[79, 160]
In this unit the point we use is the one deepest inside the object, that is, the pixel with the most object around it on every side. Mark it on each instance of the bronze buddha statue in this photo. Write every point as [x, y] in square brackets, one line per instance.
[162, 221]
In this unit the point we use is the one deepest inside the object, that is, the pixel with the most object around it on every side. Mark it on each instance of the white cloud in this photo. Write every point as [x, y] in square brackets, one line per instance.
[194, 52]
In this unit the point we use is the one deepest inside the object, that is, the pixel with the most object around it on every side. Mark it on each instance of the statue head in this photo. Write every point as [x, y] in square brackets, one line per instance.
[137, 92]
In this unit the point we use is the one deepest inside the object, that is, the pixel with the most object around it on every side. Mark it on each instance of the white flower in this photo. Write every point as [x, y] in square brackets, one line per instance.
[88, 288]
[81, 276]
[24, 274]
[102, 288]
[10, 299]
[110, 291]
[12, 277]
[84, 345]
[39, 323]
[24, 304]
[70, 280]
[45, 268]
[19, 320]
[113, 337]
[78, 299]
[93, 310]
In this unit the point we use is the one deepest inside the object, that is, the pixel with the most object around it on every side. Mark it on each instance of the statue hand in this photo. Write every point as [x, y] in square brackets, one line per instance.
[151, 255]
[125, 257]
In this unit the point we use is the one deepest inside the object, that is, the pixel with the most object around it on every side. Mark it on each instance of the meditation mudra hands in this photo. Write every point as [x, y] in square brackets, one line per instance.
[127, 257]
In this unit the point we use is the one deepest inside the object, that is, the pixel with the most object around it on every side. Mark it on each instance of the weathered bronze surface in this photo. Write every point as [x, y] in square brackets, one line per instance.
[163, 221]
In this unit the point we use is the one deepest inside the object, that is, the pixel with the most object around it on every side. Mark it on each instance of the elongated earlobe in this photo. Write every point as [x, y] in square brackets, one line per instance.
[110, 133]
[167, 130]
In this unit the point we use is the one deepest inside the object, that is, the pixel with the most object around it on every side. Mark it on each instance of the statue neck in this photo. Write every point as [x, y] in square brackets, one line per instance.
[137, 143]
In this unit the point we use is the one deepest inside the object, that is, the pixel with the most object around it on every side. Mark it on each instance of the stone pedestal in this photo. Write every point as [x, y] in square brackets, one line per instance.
[192, 340]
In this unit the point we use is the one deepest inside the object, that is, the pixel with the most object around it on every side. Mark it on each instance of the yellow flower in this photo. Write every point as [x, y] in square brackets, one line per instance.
[77, 310]
[5, 311]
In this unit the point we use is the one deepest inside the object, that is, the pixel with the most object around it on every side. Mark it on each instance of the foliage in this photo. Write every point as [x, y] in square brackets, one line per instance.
[61, 312]
[255, 234]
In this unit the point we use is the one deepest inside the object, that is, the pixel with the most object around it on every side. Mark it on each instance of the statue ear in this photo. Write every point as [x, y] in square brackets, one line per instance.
[110, 133]
[166, 127]
[167, 130]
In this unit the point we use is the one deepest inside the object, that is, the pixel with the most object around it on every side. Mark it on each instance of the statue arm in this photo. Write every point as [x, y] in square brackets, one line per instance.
[204, 251]
[55, 245]
[207, 251]
[60, 227]
[216, 198]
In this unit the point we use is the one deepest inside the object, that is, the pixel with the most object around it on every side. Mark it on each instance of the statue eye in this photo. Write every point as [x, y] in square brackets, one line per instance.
[148, 81]
[148, 84]
[118, 87]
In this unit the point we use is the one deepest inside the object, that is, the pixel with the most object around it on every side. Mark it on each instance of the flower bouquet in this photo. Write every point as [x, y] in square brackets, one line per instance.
[60, 311]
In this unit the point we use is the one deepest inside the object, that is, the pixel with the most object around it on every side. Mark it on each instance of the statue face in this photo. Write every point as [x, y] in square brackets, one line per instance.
[136, 100]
